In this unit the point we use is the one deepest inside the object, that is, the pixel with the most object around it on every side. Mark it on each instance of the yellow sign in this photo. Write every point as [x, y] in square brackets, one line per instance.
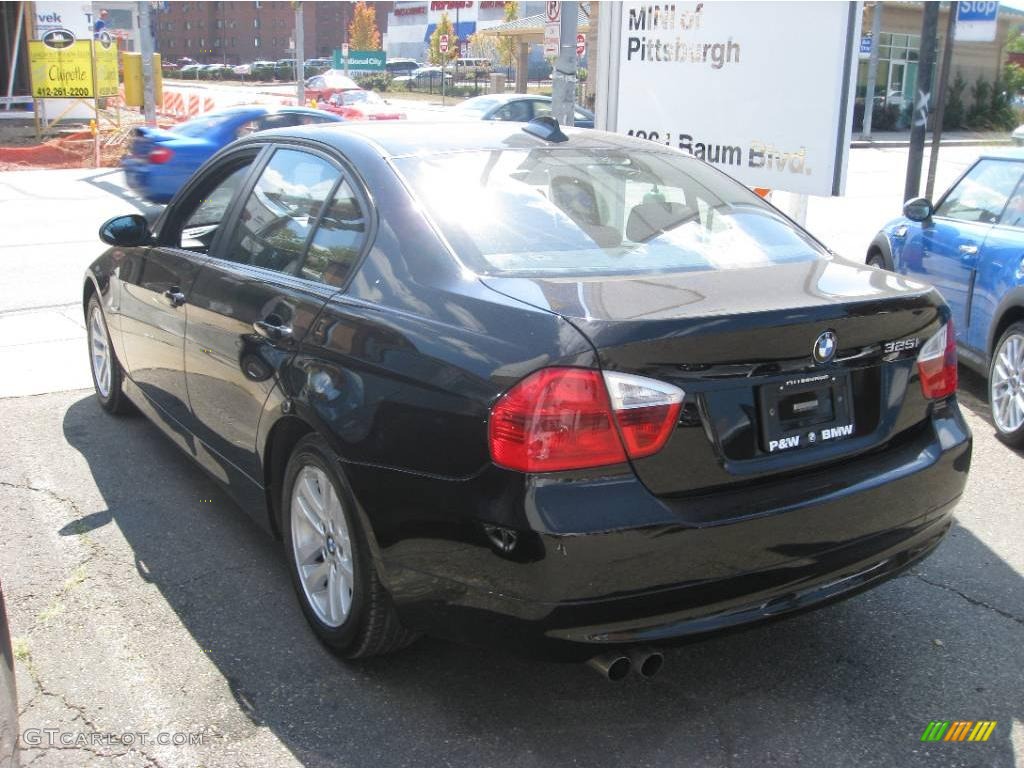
[106, 67]
[62, 72]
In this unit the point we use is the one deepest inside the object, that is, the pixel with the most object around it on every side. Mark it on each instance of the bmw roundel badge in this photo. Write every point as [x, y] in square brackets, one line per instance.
[825, 347]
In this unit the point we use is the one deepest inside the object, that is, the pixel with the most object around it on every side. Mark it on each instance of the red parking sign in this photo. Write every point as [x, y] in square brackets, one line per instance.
[443, 45]
[581, 44]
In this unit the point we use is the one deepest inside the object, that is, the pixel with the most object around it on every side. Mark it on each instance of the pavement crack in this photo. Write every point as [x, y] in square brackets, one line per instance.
[46, 491]
[971, 600]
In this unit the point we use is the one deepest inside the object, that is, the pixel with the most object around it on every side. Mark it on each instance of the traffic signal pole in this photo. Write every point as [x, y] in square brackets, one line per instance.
[563, 87]
[148, 83]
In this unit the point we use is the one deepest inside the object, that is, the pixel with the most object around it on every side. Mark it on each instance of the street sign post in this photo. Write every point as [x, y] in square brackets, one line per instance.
[581, 44]
[552, 27]
[442, 45]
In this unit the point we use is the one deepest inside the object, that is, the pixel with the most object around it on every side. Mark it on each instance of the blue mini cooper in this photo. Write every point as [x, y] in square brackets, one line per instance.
[970, 245]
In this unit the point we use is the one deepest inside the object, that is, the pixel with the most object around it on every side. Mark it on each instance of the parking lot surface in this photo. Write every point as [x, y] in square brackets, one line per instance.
[145, 605]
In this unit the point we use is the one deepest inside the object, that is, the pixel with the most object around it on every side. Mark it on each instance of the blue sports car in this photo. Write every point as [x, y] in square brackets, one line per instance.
[970, 245]
[162, 160]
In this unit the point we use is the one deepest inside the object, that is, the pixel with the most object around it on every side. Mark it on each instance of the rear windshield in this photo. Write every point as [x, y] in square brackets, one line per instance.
[566, 211]
[201, 126]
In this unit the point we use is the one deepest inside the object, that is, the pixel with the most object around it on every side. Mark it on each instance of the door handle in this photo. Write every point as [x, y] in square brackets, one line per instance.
[174, 296]
[968, 255]
[271, 331]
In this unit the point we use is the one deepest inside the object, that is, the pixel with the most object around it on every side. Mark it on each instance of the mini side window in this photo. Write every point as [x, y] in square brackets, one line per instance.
[338, 240]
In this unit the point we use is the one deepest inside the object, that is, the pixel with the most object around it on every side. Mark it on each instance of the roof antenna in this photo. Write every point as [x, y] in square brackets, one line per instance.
[545, 127]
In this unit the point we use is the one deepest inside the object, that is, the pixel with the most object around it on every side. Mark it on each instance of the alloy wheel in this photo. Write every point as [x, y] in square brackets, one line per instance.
[99, 352]
[1007, 384]
[322, 546]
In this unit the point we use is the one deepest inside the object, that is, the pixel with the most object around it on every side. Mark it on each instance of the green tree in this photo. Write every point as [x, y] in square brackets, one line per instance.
[444, 27]
[956, 111]
[363, 34]
[506, 44]
[1015, 40]
[483, 47]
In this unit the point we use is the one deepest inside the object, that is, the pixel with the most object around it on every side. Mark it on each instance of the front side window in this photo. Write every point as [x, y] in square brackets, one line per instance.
[566, 211]
[281, 210]
[202, 215]
[981, 195]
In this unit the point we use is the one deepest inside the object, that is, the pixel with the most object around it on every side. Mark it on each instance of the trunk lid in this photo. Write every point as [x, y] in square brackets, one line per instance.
[740, 344]
[145, 139]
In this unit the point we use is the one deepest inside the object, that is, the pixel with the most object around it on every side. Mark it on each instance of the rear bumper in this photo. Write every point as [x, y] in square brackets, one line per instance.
[567, 591]
[149, 183]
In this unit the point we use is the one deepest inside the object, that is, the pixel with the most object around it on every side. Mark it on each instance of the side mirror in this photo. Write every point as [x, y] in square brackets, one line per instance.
[918, 209]
[126, 231]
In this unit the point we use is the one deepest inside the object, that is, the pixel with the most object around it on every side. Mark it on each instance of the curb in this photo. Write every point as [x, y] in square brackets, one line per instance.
[899, 144]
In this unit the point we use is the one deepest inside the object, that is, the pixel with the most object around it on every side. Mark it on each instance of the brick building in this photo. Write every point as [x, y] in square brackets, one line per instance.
[241, 32]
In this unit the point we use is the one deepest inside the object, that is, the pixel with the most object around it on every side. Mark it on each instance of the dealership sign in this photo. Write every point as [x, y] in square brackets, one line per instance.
[761, 90]
[976, 22]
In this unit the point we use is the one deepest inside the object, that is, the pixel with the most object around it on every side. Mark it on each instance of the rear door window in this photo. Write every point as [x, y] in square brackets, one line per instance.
[281, 211]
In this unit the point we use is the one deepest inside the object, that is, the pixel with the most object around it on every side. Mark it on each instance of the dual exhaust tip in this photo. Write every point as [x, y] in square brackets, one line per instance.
[616, 665]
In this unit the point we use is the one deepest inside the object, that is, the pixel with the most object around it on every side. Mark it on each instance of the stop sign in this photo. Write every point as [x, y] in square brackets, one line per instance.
[581, 44]
[443, 45]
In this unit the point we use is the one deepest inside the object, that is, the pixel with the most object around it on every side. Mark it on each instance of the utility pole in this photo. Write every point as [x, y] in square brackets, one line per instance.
[146, 49]
[922, 99]
[869, 96]
[563, 88]
[300, 60]
[940, 105]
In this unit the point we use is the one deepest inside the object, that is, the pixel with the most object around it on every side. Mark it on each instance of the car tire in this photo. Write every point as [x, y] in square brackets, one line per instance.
[1006, 386]
[329, 558]
[107, 374]
[876, 259]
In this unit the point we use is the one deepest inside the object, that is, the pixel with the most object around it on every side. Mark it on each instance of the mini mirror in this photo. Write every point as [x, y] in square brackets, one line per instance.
[125, 231]
[918, 209]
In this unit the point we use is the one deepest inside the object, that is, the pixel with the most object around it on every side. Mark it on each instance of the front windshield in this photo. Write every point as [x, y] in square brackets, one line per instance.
[609, 211]
[478, 105]
[357, 97]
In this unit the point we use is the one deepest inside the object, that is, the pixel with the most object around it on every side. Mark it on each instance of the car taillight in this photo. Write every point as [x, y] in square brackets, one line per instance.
[574, 418]
[160, 155]
[936, 364]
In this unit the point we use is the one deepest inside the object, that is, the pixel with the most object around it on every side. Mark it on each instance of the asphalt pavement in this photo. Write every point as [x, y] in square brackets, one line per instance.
[146, 607]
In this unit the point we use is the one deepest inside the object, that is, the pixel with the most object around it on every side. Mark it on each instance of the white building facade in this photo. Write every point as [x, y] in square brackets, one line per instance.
[410, 24]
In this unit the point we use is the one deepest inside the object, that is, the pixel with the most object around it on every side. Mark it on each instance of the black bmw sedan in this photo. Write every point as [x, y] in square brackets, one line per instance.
[560, 391]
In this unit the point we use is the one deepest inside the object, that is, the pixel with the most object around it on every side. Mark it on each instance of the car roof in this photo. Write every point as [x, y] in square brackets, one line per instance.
[403, 138]
[256, 110]
[1003, 153]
